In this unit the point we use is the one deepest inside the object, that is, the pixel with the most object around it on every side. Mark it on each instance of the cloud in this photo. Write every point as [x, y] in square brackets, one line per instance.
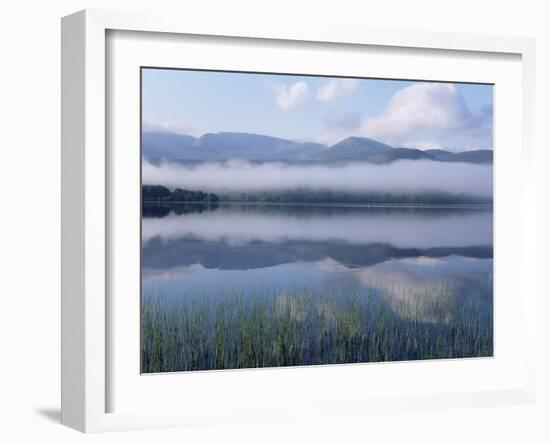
[291, 96]
[424, 292]
[179, 272]
[426, 107]
[424, 145]
[336, 88]
[180, 128]
[400, 176]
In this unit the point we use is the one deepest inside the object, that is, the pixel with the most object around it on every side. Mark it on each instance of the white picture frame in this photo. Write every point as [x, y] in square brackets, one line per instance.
[86, 205]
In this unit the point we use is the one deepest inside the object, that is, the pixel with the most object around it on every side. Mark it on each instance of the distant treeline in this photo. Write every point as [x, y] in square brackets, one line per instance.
[320, 197]
[161, 193]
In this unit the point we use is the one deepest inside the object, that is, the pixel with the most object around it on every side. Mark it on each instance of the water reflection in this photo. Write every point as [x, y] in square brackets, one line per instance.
[248, 237]
[237, 225]
[425, 272]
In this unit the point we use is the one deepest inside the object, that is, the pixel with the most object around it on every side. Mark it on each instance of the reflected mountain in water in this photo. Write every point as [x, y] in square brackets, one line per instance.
[237, 237]
[240, 237]
[355, 274]
[158, 254]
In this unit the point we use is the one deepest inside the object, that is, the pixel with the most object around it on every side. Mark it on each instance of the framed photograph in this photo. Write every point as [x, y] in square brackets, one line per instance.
[265, 223]
[322, 247]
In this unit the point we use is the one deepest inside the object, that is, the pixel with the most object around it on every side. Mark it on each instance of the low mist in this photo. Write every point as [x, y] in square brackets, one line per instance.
[449, 229]
[399, 176]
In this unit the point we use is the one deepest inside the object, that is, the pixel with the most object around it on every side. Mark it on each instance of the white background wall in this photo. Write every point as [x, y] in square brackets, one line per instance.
[30, 220]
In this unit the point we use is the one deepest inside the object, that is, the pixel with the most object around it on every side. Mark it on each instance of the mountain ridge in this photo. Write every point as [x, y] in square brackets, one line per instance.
[221, 146]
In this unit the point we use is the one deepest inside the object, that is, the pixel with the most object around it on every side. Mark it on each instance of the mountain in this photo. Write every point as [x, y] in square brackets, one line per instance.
[437, 152]
[222, 146]
[471, 156]
[165, 145]
[225, 145]
[158, 254]
[398, 153]
[241, 146]
[352, 148]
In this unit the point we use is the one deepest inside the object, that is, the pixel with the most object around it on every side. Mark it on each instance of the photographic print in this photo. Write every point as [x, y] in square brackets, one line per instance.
[293, 220]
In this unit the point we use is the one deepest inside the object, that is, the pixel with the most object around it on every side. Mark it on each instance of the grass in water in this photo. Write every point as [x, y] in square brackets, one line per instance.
[303, 327]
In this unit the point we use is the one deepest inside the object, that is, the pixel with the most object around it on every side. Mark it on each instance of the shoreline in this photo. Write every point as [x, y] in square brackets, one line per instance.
[479, 206]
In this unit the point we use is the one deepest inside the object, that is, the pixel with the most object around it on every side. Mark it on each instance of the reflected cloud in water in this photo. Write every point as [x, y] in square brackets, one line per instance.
[423, 264]
[398, 227]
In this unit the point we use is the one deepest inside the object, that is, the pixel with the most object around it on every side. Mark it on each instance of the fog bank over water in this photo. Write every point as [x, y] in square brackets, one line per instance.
[400, 176]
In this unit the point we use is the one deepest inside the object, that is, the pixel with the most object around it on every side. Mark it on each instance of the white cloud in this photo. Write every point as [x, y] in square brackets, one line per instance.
[423, 261]
[167, 126]
[424, 145]
[291, 96]
[425, 107]
[336, 88]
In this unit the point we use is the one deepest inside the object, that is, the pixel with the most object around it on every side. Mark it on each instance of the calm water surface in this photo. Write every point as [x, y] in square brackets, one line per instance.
[429, 267]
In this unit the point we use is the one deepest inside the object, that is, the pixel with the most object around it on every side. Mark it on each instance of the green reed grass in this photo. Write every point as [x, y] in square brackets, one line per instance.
[272, 329]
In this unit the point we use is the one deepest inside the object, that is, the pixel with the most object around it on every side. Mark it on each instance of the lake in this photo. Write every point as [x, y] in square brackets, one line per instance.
[229, 286]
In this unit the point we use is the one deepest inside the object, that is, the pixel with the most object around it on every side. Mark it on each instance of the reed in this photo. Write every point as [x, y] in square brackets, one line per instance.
[339, 325]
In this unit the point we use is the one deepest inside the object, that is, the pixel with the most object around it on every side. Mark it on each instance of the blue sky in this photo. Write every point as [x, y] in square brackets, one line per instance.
[323, 109]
